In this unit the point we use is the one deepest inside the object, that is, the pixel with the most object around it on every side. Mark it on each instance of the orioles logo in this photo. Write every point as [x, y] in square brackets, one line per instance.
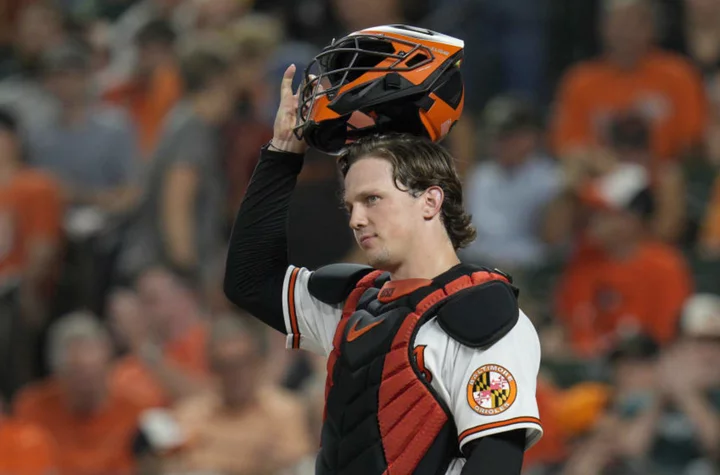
[386, 293]
[491, 390]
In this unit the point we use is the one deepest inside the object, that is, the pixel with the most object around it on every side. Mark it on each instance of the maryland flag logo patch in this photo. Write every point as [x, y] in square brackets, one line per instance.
[491, 390]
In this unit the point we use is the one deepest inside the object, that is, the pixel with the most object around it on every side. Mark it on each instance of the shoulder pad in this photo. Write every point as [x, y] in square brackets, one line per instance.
[333, 283]
[480, 316]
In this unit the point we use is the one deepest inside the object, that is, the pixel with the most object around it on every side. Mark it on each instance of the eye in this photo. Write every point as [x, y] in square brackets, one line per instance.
[372, 199]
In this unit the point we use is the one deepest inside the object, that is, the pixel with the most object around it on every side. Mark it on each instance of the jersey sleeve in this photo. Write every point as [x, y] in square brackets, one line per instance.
[310, 324]
[488, 391]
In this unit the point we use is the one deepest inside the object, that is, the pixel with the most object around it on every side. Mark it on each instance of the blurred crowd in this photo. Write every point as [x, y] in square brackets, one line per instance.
[129, 129]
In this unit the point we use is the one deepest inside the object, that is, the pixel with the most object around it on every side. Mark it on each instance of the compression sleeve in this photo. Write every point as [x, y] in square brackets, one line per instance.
[257, 256]
[500, 454]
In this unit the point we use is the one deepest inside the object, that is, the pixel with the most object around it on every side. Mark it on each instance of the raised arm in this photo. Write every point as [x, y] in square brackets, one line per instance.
[257, 260]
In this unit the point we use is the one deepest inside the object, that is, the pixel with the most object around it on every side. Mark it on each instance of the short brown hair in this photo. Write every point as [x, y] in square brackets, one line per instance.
[418, 163]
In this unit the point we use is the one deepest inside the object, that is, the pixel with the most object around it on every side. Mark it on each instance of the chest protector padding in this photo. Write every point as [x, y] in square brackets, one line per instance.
[381, 416]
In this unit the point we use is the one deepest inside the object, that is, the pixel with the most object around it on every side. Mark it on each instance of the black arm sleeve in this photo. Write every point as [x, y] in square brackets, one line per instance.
[258, 251]
[499, 454]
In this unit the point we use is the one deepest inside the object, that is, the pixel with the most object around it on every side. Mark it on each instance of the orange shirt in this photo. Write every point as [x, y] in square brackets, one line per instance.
[87, 445]
[148, 104]
[30, 208]
[188, 353]
[26, 449]
[598, 297]
[133, 380]
[664, 88]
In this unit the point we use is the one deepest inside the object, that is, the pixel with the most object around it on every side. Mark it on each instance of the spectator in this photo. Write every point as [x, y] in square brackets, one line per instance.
[508, 193]
[508, 51]
[216, 18]
[687, 436]
[248, 426]
[701, 39]
[126, 318]
[666, 416]
[92, 426]
[553, 448]
[621, 280]
[90, 148]
[179, 223]
[165, 332]
[124, 31]
[632, 75]
[257, 38]
[712, 131]
[569, 414]
[30, 239]
[621, 439]
[25, 449]
[709, 241]
[155, 87]
[630, 143]
[39, 26]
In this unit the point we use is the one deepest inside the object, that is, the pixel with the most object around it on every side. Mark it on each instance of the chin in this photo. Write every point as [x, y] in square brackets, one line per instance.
[380, 260]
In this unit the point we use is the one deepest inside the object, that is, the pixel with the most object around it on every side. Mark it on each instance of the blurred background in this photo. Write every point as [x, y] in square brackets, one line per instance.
[589, 147]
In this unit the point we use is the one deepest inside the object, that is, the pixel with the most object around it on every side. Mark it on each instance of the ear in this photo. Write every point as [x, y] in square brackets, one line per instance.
[432, 202]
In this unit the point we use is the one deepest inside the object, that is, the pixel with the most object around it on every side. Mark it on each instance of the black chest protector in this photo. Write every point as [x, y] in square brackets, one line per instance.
[382, 415]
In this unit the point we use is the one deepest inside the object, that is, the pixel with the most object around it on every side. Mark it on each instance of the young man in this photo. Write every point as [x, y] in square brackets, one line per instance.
[432, 367]
[179, 223]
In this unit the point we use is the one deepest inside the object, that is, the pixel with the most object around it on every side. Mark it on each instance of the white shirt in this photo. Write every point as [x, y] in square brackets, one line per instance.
[506, 206]
[488, 391]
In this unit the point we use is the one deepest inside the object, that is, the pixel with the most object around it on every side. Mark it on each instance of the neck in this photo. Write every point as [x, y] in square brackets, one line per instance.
[623, 250]
[238, 404]
[511, 163]
[625, 61]
[241, 402]
[73, 113]
[87, 404]
[429, 266]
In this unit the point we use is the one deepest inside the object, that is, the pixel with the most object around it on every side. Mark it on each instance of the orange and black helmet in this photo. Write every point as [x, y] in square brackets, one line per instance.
[392, 78]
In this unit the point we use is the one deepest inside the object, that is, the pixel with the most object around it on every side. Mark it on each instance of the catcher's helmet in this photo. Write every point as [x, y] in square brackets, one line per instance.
[392, 78]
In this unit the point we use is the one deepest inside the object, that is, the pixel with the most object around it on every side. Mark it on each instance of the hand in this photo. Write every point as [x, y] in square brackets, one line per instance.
[284, 138]
[575, 171]
[601, 161]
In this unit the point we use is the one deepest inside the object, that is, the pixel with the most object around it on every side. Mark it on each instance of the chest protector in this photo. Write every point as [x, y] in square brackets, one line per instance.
[382, 416]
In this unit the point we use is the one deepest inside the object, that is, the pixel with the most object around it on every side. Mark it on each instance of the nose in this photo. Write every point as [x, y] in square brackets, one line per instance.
[358, 218]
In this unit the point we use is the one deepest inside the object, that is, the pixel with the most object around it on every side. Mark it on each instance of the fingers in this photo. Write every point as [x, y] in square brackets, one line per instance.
[286, 85]
[304, 85]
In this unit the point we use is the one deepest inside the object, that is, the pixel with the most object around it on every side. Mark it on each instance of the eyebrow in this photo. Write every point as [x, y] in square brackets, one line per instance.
[361, 196]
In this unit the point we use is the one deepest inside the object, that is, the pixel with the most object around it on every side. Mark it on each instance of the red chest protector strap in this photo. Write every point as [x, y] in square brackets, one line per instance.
[350, 304]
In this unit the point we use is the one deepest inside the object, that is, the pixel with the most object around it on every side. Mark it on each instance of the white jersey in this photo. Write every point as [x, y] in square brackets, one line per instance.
[488, 391]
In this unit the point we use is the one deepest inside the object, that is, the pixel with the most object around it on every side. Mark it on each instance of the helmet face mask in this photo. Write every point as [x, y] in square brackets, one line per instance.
[384, 79]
